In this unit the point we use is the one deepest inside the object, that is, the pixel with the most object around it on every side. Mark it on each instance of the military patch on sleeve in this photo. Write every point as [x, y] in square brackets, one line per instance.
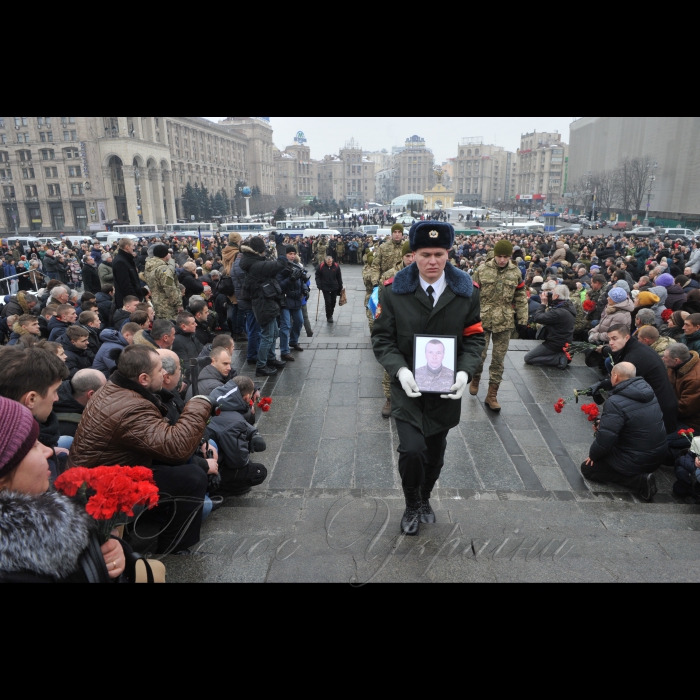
[389, 282]
[379, 312]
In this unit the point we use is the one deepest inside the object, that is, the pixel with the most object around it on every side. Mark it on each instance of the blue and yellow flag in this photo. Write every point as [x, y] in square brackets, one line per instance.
[199, 239]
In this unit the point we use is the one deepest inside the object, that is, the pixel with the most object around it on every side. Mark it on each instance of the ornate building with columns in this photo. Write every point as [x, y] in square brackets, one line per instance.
[66, 174]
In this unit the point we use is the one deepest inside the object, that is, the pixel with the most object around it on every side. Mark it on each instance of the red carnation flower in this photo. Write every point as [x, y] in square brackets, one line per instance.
[666, 315]
[589, 306]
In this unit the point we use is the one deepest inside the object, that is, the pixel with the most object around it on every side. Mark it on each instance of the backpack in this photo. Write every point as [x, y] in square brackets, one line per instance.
[226, 286]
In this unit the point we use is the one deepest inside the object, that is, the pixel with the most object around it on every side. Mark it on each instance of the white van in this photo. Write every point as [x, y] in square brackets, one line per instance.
[79, 240]
[113, 238]
[27, 242]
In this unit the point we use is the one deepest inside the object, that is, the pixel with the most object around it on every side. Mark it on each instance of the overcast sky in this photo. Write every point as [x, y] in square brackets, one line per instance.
[327, 135]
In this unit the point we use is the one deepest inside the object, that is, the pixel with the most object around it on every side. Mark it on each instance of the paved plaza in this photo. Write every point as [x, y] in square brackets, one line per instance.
[511, 503]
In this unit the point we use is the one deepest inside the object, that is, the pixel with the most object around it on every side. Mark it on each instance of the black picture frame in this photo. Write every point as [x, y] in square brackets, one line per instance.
[420, 343]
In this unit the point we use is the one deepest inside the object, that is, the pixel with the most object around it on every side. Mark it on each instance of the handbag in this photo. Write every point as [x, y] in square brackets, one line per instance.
[343, 297]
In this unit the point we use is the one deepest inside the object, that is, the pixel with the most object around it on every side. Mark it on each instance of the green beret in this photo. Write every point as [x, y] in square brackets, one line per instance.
[503, 248]
[397, 227]
[406, 250]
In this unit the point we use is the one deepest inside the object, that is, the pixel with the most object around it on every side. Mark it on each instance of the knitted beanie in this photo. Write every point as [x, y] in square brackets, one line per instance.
[161, 251]
[406, 250]
[503, 248]
[258, 245]
[18, 434]
[665, 281]
[617, 295]
[648, 299]
[397, 227]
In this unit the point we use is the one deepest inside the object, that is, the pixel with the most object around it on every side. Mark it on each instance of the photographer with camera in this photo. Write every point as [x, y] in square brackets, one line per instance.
[557, 315]
[293, 281]
[263, 291]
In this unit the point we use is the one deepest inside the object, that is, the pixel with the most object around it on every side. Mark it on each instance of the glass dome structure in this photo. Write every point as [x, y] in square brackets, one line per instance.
[405, 199]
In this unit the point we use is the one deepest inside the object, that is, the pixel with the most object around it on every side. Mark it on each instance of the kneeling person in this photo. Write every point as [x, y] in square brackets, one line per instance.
[237, 438]
[630, 444]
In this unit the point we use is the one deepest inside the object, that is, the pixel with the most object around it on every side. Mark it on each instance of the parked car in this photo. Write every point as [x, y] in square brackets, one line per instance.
[622, 226]
[406, 220]
[645, 231]
[591, 225]
[679, 233]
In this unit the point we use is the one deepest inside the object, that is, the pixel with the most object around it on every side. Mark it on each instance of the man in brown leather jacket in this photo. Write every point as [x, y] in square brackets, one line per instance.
[125, 425]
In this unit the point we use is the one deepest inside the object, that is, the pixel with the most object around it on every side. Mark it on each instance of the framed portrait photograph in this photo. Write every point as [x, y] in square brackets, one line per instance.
[435, 358]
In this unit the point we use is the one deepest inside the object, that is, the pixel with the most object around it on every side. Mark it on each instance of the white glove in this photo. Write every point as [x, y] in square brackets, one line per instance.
[408, 383]
[460, 387]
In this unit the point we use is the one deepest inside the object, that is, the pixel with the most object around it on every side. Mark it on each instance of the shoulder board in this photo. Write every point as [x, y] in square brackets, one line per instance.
[388, 282]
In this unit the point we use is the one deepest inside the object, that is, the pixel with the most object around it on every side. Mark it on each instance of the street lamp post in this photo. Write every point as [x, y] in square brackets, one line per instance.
[649, 194]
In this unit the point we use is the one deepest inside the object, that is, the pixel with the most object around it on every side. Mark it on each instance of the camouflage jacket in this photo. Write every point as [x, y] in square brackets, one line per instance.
[165, 288]
[321, 250]
[386, 257]
[662, 344]
[582, 323]
[391, 273]
[503, 296]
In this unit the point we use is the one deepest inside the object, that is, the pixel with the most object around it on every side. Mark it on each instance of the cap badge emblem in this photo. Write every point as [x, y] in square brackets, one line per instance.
[434, 234]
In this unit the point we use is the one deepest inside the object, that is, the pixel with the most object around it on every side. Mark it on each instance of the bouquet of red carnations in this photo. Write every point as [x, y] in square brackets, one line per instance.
[559, 405]
[264, 404]
[110, 494]
[589, 306]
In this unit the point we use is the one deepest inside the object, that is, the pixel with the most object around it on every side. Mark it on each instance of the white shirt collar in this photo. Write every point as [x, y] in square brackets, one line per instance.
[438, 287]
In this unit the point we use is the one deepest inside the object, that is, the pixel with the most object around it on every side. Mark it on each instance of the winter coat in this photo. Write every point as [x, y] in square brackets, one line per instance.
[106, 274]
[261, 285]
[652, 369]
[17, 332]
[209, 380]
[560, 254]
[232, 433]
[111, 340]
[685, 381]
[124, 425]
[642, 256]
[229, 256]
[406, 311]
[238, 277]
[76, 359]
[126, 278]
[330, 279]
[692, 341]
[94, 343]
[17, 306]
[50, 264]
[57, 329]
[186, 347]
[293, 289]
[120, 319]
[676, 297]
[43, 538]
[559, 324]
[193, 287]
[67, 410]
[104, 306]
[631, 438]
[91, 279]
[617, 315]
[203, 334]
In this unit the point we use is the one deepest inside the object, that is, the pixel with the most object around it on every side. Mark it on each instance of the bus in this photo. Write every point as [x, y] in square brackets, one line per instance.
[302, 225]
[139, 230]
[246, 230]
[208, 230]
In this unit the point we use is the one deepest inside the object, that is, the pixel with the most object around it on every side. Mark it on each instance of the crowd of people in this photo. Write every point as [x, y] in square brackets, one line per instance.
[123, 355]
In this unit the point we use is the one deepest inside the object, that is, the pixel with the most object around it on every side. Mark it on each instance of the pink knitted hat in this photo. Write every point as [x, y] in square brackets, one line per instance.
[18, 434]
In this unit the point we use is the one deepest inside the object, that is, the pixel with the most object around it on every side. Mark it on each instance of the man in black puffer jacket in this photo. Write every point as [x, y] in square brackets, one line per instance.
[252, 326]
[630, 443]
[650, 367]
[263, 291]
[126, 276]
[559, 322]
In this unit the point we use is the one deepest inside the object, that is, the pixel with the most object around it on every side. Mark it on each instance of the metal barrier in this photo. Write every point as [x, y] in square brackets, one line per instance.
[7, 281]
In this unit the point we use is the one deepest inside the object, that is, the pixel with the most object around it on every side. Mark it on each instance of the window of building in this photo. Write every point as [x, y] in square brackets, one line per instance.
[48, 154]
[51, 172]
[58, 220]
[31, 190]
[74, 171]
[28, 173]
[54, 190]
[21, 121]
[76, 188]
[24, 156]
[70, 135]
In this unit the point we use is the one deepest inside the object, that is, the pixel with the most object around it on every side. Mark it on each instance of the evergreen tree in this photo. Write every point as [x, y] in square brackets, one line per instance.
[204, 204]
[226, 203]
[190, 202]
[218, 205]
[280, 214]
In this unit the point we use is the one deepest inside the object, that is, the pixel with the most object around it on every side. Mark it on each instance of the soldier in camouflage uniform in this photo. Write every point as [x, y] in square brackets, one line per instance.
[163, 283]
[369, 287]
[389, 254]
[341, 251]
[321, 250]
[387, 278]
[503, 298]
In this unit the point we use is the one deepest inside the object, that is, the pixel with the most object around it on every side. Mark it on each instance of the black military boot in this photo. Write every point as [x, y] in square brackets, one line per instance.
[427, 516]
[410, 523]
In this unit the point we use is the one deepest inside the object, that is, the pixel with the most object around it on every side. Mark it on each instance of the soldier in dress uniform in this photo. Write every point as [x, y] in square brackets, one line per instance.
[504, 306]
[432, 298]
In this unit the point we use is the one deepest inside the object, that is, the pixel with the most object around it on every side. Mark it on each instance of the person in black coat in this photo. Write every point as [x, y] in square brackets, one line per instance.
[188, 279]
[186, 345]
[650, 367]
[75, 344]
[126, 277]
[559, 322]
[630, 443]
[91, 279]
[104, 300]
[329, 279]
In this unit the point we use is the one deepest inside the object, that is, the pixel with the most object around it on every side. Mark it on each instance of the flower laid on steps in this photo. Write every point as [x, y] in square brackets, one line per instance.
[559, 405]
[264, 404]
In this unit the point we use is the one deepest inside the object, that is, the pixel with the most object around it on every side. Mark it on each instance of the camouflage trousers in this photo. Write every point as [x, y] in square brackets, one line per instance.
[501, 342]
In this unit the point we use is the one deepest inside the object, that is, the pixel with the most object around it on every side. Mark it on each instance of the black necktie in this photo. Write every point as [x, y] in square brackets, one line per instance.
[430, 291]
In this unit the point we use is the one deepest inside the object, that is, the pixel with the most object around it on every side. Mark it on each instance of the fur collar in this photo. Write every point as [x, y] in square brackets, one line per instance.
[689, 365]
[250, 251]
[408, 280]
[44, 535]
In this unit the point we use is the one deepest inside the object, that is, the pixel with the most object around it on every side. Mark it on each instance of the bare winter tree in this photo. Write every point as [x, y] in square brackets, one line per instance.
[606, 185]
[635, 178]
